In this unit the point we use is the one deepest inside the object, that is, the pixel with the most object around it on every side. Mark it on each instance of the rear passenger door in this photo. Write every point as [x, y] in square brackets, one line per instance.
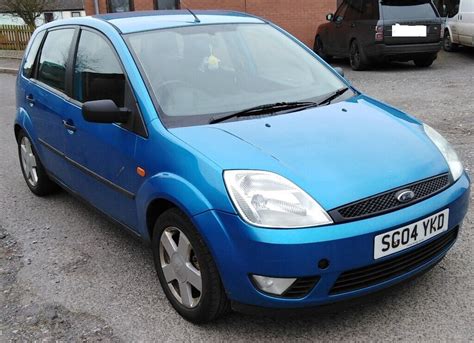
[367, 23]
[350, 28]
[46, 95]
[105, 170]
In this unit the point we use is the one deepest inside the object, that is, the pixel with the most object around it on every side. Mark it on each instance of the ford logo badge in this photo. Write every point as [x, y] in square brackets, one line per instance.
[405, 195]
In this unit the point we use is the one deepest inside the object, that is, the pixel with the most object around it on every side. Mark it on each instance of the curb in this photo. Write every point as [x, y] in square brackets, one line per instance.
[11, 71]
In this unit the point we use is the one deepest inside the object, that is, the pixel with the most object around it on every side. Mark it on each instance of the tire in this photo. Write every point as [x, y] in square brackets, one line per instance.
[357, 57]
[189, 258]
[32, 169]
[424, 61]
[448, 44]
[319, 49]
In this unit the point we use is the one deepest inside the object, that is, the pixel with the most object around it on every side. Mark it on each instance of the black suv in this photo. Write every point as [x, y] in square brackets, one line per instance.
[379, 30]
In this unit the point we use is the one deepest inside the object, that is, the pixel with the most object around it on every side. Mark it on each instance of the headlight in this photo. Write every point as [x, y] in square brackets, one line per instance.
[448, 152]
[269, 200]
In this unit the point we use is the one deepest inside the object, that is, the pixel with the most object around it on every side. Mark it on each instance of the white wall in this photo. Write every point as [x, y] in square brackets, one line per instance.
[7, 19]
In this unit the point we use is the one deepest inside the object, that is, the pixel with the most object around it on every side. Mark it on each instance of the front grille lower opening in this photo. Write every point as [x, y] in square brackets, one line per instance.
[376, 273]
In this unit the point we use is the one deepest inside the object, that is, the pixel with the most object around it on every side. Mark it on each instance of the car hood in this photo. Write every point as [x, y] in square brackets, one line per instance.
[338, 153]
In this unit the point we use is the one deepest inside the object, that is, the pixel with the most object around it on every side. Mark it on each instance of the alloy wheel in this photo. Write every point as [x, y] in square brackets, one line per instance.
[355, 55]
[28, 162]
[319, 46]
[180, 267]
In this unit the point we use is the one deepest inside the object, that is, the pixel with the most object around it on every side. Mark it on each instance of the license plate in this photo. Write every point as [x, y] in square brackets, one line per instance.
[409, 30]
[403, 238]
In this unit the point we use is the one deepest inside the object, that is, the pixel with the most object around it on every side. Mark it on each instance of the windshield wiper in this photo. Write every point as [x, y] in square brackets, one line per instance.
[265, 109]
[333, 96]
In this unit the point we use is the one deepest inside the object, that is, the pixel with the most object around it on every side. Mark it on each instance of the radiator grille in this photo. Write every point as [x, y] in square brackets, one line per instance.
[387, 201]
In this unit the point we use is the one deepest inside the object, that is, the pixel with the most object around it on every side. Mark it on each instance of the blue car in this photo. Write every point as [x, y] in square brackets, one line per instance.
[260, 177]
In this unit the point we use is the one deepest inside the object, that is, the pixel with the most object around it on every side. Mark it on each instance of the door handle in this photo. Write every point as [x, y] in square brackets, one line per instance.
[31, 99]
[69, 126]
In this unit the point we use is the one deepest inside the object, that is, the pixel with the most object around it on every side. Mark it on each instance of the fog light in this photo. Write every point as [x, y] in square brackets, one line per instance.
[272, 285]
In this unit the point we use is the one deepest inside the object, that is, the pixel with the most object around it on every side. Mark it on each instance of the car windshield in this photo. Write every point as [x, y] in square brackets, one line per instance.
[200, 72]
[403, 9]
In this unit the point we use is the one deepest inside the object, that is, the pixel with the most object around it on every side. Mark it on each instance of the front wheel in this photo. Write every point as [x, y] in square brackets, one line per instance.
[186, 269]
[319, 49]
[448, 44]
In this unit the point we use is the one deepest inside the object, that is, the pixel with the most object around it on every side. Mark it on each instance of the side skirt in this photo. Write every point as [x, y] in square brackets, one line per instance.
[127, 228]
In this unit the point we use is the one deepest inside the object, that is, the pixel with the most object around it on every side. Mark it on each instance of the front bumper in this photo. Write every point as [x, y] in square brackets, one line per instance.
[241, 249]
[405, 51]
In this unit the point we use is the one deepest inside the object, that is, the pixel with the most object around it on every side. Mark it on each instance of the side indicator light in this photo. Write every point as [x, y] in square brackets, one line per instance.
[141, 171]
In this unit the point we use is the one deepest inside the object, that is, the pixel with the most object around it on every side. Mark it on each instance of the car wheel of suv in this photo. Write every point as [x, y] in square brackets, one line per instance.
[448, 44]
[186, 269]
[357, 57]
[319, 49]
[425, 61]
[33, 171]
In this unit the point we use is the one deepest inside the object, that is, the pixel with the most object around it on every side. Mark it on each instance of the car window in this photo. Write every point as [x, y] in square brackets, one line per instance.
[98, 74]
[370, 10]
[196, 73]
[341, 11]
[401, 9]
[54, 57]
[31, 57]
[353, 10]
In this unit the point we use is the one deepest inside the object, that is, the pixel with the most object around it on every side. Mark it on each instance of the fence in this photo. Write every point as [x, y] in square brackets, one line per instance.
[14, 37]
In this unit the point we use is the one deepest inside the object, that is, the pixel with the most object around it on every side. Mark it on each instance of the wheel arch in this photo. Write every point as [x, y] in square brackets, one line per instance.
[154, 210]
[162, 192]
[17, 128]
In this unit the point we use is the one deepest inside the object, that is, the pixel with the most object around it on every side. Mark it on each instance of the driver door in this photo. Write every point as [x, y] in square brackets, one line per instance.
[103, 155]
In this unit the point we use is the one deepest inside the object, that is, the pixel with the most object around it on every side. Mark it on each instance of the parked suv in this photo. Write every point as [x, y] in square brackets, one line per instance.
[459, 29]
[375, 30]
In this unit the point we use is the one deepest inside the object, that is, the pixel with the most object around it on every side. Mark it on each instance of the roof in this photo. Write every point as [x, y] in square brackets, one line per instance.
[56, 5]
[129, 22]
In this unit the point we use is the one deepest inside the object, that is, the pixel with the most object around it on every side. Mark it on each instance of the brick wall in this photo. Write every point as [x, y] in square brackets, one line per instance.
[300, 17]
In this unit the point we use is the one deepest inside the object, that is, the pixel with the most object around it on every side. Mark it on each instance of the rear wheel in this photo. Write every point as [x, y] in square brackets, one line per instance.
[33, 171]
[424, 61]
[319, 49]
[357, 57]
[448, 44]
[186, 269]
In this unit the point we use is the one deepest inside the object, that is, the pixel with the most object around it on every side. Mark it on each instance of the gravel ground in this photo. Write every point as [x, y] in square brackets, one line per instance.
[67, 274]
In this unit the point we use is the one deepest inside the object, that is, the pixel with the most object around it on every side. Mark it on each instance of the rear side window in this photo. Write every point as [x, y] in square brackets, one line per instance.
[369, 9]
[353, 11]
[341, 11]
[31, 57]
[54, 57]
[97, 72]
[403, 9]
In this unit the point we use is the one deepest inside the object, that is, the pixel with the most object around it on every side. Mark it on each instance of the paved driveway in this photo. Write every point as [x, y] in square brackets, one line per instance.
[67, 273]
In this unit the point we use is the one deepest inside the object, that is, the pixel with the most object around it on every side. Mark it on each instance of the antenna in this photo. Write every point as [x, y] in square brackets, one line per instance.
[196, 19]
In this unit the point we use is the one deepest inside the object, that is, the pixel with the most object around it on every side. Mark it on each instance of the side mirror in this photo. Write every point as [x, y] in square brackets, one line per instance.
[104, 111]
[330, 17]
[339, 70]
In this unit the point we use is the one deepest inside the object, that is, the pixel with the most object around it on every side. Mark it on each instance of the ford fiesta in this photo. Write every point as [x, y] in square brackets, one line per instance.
[260, 176]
